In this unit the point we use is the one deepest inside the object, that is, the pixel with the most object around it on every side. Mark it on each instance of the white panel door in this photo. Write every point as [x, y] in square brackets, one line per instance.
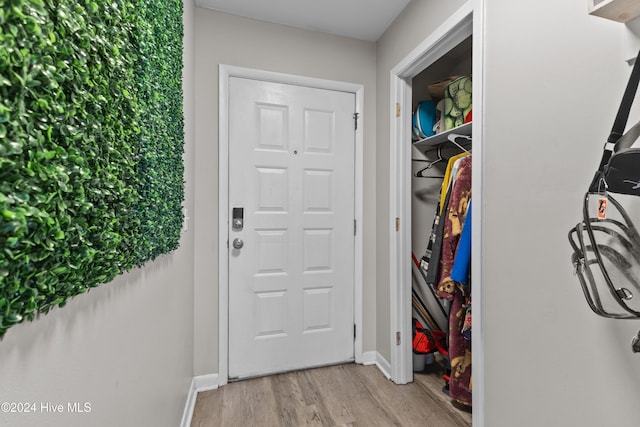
[291, 170]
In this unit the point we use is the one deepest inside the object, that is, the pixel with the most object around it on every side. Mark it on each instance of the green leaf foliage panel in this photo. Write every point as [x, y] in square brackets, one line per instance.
[91, 145]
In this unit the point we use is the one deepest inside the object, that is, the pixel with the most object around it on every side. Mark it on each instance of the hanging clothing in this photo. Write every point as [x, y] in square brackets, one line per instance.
[462, 269]
[440, 261]
[447, 178]
[459, 350]
[462, 263]
[428, 254]
[453, 222]
[434, 243]
[434, 265]
[447, 288]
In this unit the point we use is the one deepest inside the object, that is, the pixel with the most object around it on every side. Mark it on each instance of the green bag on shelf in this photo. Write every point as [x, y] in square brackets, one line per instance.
[457, 102]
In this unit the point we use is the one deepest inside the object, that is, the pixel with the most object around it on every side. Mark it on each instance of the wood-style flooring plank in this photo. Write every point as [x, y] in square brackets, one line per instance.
[259, 400]
[317, 413]
[361, 402]
[324, 381]
[430, 380]
[208, 408]
[289, 401]
[417, 408]
[336, 396]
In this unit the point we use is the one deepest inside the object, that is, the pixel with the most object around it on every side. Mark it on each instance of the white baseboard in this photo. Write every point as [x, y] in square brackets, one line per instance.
[189, 405]
[198, 384]
[375, 358]
[368, 358]
[383, 365]
[206, 382]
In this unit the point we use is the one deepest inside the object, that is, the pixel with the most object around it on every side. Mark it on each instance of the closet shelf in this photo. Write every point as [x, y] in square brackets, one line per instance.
[440, 138]
[616, 10]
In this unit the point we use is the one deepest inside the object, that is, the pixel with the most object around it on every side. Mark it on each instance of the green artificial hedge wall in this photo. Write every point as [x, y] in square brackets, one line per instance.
[91, 145]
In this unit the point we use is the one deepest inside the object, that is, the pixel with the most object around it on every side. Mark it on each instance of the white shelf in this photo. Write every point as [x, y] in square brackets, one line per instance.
[616, 10]
[439, 138]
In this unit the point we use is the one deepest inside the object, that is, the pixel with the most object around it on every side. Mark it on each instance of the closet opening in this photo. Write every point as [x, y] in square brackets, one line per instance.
[440, 197]
[454, 49]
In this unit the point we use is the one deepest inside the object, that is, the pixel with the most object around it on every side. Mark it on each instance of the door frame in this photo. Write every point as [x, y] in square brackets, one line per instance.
[225, 73]
[467, 20]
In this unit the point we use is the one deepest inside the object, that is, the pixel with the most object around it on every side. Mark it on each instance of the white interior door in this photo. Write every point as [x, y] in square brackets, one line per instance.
[291, 261]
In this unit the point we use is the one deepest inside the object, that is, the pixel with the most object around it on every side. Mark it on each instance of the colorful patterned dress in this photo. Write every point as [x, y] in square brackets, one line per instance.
[459, 346]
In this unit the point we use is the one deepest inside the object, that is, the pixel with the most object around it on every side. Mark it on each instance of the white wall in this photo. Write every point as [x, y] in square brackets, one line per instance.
[126, 347]
[232, 40]
[553, 79]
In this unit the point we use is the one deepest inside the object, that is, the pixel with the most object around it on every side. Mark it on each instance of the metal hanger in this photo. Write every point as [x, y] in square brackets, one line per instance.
[420, 173]
[453, 138]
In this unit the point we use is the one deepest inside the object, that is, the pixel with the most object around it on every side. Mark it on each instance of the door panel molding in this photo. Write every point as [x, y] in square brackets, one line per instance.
[225, 73]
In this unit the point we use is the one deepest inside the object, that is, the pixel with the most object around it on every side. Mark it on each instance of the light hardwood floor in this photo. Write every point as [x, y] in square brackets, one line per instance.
[343, 395]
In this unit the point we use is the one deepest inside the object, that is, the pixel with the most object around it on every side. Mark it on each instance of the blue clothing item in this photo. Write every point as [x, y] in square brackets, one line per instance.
[462, 262]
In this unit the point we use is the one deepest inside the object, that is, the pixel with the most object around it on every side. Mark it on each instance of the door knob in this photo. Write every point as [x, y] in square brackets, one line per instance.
[238, 243]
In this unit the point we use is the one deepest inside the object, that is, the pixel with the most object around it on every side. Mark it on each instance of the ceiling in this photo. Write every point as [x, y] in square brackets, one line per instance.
[358, 19]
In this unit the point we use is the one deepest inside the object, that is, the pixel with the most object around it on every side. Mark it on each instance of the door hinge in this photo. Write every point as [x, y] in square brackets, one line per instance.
[355, 118]
[397, 338]
[354, 227]
[397, 109]
[354, 331]
[397, 224]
